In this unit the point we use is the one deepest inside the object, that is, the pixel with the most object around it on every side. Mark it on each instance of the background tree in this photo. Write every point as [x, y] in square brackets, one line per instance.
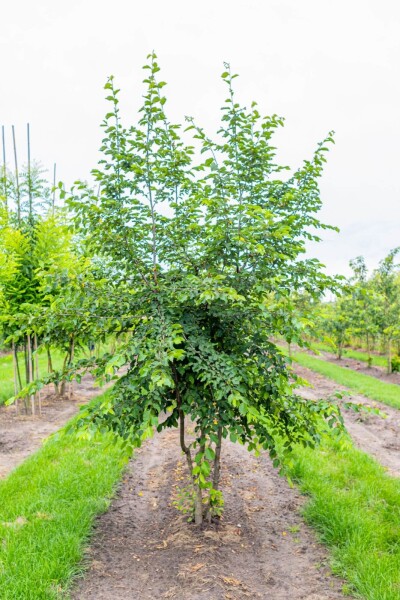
[385, 282]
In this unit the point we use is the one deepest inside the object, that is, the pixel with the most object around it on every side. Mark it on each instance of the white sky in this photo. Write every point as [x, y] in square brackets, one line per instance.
[322, 64]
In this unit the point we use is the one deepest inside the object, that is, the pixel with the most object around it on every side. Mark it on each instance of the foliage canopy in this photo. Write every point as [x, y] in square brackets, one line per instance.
[204, 241]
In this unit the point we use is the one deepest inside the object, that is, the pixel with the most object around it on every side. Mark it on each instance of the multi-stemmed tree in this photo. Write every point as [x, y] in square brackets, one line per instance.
[204, 248]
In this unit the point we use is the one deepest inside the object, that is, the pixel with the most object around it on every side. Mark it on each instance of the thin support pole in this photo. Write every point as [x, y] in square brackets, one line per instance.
[16, 177]
[28, 136]
[54, 186]
[4, 167]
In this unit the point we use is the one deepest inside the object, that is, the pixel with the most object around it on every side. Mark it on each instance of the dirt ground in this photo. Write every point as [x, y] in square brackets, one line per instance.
[20, 435]
[143, 548]
[374, 434]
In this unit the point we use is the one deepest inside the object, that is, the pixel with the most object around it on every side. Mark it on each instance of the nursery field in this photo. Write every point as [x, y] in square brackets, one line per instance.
[156, 441]
[267, 544]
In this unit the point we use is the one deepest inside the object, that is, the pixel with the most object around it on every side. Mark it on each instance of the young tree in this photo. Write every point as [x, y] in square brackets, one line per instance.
[385, 282]
[205, 256]
[364, 305]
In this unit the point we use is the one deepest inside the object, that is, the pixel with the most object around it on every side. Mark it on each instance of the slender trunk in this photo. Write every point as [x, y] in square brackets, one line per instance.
[389, 356]
[26, 364]
[217, 461]
[289, 349]
[39, 398]
[15, 375]
[71, 358]
[216, 471]
[30, 371]
[198, 505]
[63, 383]
[369, 352]
[17, 366]
[50, 368]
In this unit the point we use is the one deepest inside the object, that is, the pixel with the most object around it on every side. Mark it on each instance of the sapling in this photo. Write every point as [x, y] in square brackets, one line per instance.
[205, 239]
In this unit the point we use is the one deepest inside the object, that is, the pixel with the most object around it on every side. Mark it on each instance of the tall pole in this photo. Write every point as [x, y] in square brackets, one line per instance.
[29, 172]
[54, 186]
[4, 167]
[16, 177]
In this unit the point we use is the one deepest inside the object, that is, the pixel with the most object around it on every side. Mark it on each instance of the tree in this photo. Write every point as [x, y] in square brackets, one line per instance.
[364, 310]
[385, 282]
[205, 255]
[40, 269]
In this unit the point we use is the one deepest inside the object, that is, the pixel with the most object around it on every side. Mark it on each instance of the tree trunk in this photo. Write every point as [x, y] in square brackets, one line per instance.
[217, 461]
[369, 362]
[30, 371]
[15, 374]
[63, 383]
[389, 356]
[35, 345]
[71, 358]
[50, 368]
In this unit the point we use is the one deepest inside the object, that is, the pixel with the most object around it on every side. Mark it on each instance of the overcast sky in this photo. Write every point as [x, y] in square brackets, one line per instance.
[322, 64]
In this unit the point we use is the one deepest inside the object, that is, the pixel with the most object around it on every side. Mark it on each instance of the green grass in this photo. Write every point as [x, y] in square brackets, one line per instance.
[355, 507]
[387, 393]
[47, 507]
[7, 371]
[377, 360]
[7, 368]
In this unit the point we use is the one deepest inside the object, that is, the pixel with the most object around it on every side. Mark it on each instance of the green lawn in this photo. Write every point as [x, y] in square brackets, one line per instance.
[7, 368]
[377, 360]
[355, 507]
[47, 509]
[388, 393]
[7, 371]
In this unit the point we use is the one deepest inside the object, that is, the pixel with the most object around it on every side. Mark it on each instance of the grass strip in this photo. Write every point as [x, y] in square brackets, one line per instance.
[355, 507]
[378, 361]
[47, 507]
[7, 371]
[387, 393]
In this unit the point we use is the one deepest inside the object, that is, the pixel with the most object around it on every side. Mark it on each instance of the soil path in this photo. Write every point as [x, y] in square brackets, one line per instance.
[378, 436]
[143, 548]
[20, 435]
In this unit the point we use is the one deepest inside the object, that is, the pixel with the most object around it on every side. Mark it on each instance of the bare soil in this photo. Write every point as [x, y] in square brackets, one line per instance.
[375, 434]
[22, 434]
[144, 548]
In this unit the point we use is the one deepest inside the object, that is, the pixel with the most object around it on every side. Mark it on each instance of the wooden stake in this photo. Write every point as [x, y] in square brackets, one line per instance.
[16, 177]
